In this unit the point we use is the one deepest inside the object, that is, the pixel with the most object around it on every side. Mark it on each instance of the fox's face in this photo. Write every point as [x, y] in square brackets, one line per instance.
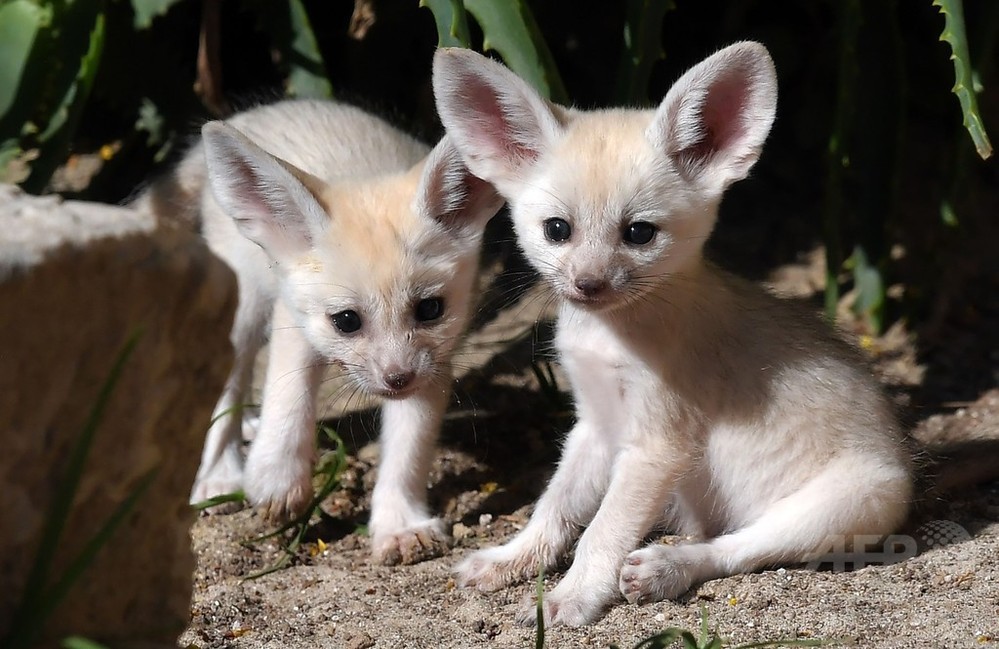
[602, 216]
[610, 204]
[378, 272]
[385, 292]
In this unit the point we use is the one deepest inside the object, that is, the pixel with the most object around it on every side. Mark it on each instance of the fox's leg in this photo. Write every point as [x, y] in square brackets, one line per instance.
[851, 498]
[280, 463]
[567, 504]
[636, 499]
[402, 528]
[221, 469]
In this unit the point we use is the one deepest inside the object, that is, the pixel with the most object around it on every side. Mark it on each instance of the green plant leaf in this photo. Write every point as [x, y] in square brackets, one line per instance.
[666, 638]
[509, 28]
[234, 497]
[452, 23]
[870, 302]
[307, 71]
[79, 642]
[146, 10]
[58, 131]
[330, 467]
[964, 85]
[20, 22]
[642, 48]
[23, 26]
[291, 34]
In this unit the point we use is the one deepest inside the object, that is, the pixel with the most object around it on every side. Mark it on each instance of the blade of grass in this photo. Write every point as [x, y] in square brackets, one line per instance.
[236, 408]
[666, 638]
[221, 499]
[78, 642]
[539, 613]
[29, 617]
[55, 595]
[331, 470]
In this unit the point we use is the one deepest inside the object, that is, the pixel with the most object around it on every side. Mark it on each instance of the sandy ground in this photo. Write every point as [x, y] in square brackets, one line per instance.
[498, 447]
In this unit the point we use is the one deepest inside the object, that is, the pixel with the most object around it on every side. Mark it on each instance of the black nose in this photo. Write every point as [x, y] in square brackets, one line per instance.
[590, 286]
[398, 380]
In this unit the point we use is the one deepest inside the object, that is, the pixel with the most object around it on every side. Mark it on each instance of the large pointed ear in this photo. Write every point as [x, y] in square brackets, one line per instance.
[271, 201]
[496, 120]
[453, 195]
[715, 118]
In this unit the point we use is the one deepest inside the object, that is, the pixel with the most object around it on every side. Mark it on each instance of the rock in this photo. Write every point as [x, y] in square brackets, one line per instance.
[76, 281]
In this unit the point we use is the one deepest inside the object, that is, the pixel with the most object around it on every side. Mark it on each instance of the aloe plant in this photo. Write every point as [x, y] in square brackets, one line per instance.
[291, 34]
[49, 56]
[508, 28]
[452, 23]
[964, 85]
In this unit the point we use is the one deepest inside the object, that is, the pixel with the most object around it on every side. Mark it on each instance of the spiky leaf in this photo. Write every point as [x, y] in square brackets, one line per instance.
[452, 23]
[509, 28]
[964, 86]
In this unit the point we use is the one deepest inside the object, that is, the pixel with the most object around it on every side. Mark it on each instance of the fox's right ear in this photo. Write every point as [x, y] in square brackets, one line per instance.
[269, 199]
[496, 120]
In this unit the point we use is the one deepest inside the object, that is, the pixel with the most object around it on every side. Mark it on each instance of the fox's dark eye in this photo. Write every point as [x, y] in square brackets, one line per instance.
[346, 321]
[557, 229]
[429, 309]
[639, 232]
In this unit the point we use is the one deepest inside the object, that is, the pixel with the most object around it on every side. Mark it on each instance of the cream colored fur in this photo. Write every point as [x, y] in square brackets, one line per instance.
[703, 402]
[320, 209]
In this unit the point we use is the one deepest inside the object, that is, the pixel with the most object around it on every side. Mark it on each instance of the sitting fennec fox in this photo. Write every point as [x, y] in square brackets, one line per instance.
[355, 247]
[703, 402]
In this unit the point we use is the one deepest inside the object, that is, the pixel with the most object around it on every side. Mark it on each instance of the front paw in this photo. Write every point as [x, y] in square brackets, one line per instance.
[495, 568]
[223, 479]
[279, 490]
[412, 544]
[655, 573]
[564, 606]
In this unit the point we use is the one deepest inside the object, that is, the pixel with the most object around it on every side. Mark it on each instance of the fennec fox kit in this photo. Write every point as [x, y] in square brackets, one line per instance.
[353, 246]
[703, 402]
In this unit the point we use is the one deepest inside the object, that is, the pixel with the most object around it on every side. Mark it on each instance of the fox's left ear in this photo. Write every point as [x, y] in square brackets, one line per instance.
[715, 118]
[453, 195]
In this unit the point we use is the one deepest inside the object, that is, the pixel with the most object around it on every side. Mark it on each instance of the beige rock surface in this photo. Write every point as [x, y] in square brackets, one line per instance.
[76, 281]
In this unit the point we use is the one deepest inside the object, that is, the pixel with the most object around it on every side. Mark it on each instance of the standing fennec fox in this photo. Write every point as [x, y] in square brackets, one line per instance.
[354, 246]
[702, 401]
